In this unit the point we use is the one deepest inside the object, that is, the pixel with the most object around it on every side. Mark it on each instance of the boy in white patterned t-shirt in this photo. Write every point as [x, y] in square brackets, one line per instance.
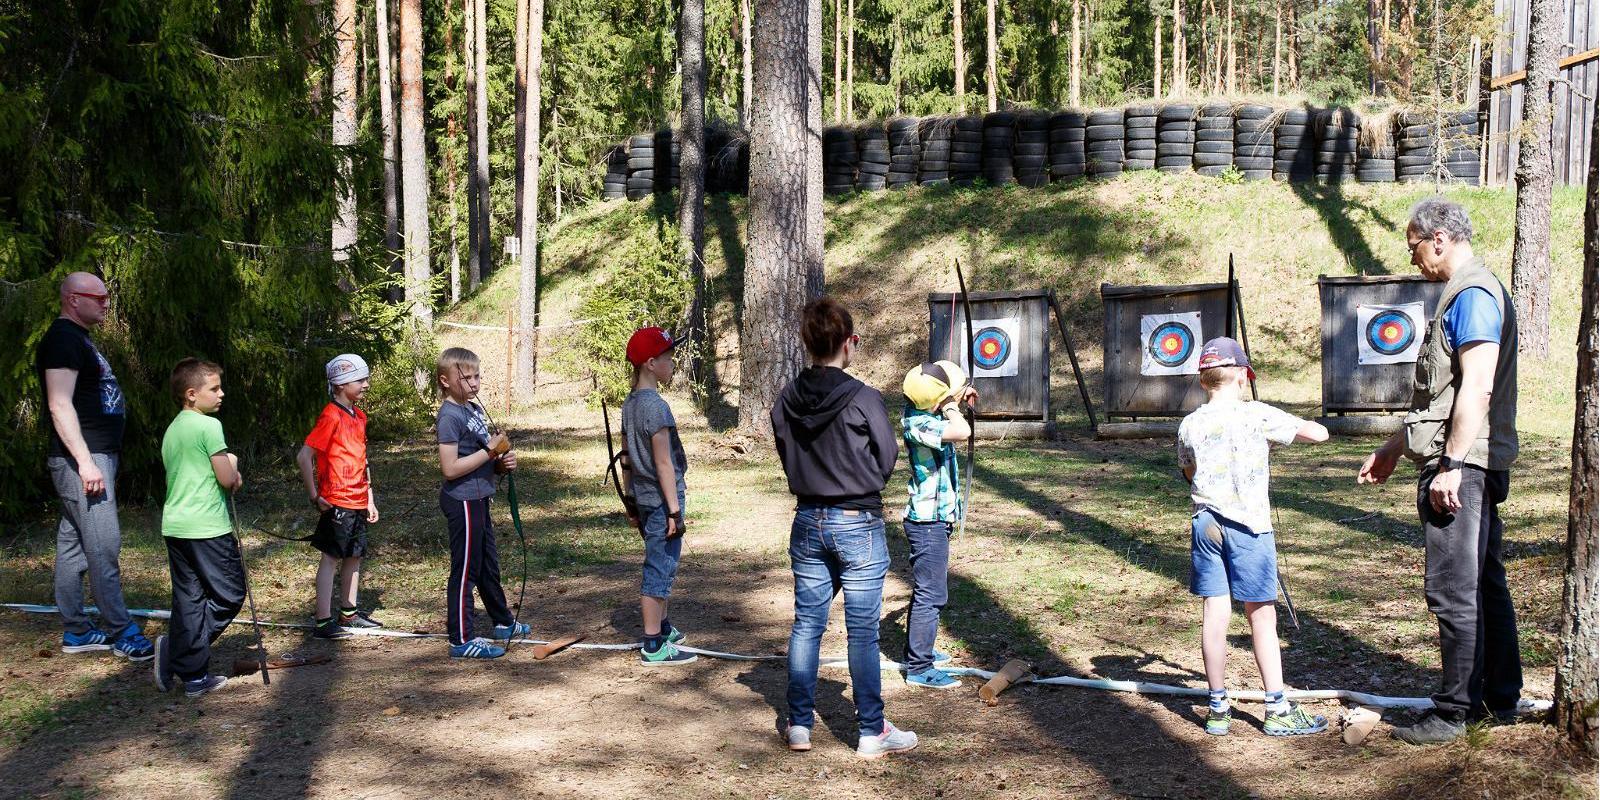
[1223, 447]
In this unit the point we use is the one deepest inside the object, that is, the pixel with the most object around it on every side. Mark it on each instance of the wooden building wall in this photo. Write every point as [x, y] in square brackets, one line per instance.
[1572, 128]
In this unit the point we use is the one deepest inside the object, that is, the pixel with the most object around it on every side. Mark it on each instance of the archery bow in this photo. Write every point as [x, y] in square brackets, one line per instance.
[615, 457]
[969, 409]
[516, 524]
[244, 574]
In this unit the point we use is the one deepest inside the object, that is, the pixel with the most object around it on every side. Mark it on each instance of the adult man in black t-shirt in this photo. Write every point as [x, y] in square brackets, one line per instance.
[85, 411]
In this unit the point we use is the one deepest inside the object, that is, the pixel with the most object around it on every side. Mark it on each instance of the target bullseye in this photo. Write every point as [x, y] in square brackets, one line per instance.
[991, 348]
[1171, 344]
[1390, 332]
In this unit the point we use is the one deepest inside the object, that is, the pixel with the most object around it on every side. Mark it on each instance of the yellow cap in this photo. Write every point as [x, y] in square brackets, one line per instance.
[928, 385]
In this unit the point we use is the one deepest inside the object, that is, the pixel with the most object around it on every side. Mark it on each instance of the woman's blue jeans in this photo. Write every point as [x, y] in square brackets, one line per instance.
[832, 549]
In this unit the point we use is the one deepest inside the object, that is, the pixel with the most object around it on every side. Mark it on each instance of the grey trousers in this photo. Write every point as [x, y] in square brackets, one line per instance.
[89, 539]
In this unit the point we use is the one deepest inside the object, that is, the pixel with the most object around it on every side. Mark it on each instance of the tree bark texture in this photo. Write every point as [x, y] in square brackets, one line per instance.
[1180, 54]
[961, 58]
[344, 129]
[414, 164]
[527, 344]
[1530, 250]
[748, 73]
[691, 171]
[990, 70]
[520, 116]
[813, 147]
[389, 135]
[780, 216]
[1157, 26]
[838, 60]
[1075, 84]
[1277, 47]
[1577, 704]
[850, 64]
[1233, 73]
[452, 178]
[480, 119]
[469, 67]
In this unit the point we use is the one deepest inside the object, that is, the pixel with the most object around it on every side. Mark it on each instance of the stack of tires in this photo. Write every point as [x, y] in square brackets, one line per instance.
[1031, 151]
[1375, 152]
[905, 149]
[933, 136]
[1252, 142]
[716, 175]
[872, 173]
[966, 150]
[1213, 139]
[1336, 147]
[999, 132]
[1103, 143]
[839, 160]
[1423, 143]
[1294, 147]
[667, 147]
[1067, 156]
[1139, 137]
[1175, 138]
[641, 166]
[615, 185]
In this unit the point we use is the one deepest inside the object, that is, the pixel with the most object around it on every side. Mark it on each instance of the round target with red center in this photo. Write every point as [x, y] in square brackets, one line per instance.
[1171, 344]
[1391, 332]
[991, 347]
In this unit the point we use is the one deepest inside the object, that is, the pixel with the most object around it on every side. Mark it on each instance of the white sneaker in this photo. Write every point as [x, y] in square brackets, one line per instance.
[892, 740]
[798, 738]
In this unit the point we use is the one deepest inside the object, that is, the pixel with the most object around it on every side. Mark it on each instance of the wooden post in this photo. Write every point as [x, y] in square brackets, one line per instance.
[1072, 355]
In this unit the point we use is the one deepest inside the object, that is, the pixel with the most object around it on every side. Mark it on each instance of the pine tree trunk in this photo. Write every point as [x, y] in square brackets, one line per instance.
[838, 60]
[1277, 47]
[469, 66]
[990, 70]
[1156, 24]
[780, 217]
[520, 114]
[1530, 251]
[747, 72]
[850, 66]
[1233, 75]
[527, 348]
[961, 57]
[1577, 704]
[813, 149]
[1075, 85]
[414, 164]
[344, 133]
[1180, 51]
[1375, 48]
[389, 135]
[480, 118]
[452, 179]
[691, 172]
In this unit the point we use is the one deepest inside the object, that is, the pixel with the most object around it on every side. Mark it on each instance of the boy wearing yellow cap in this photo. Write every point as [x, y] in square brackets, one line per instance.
[931, 424]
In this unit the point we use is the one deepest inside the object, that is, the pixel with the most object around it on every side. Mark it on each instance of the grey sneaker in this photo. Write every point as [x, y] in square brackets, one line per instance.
[798, 738]
[203, 686]
[162, 666]
[1432, 728]
[892, 740]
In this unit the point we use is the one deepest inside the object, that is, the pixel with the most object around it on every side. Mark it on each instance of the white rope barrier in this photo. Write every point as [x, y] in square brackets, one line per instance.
[1133, 687]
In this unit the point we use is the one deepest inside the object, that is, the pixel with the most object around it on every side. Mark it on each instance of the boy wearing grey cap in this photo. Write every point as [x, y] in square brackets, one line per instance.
[1222, 447]
[333, 465]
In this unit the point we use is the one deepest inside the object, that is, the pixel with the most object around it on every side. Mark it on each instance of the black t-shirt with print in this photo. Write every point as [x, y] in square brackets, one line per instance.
[97, 397]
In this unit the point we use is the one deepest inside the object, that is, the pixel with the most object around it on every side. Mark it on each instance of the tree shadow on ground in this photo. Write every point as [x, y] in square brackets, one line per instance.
[1328, 198]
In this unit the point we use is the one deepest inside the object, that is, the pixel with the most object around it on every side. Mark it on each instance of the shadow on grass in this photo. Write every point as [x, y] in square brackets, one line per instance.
[1328, 199]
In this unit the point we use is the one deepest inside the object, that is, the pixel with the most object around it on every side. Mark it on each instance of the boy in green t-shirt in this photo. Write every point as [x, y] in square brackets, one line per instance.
[207, 572]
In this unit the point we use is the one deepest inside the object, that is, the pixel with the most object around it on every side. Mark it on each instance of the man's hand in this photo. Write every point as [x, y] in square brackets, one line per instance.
[94, 481]
[1444, 491]
[1378, 466]
[372, 512]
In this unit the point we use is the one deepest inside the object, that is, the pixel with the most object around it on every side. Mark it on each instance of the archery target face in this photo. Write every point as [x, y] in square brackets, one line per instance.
[994, 352]
[1389, 334]
[1170, 344]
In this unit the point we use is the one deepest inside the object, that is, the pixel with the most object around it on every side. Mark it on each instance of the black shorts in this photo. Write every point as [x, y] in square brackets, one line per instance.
[342, 533]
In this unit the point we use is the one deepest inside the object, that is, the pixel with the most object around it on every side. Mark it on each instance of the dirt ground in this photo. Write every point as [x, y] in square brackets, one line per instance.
[1070, 562]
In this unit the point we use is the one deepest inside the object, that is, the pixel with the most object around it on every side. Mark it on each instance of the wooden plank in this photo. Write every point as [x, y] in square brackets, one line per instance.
[1168, 290]
[1577, 59]
[1072, 355]
[977, 296]
[1128, 392]
[1137, 430]
[1347, 385]
[1362, 426]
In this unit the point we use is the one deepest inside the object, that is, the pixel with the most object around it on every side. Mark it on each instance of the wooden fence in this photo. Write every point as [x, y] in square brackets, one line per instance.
[1572, 128]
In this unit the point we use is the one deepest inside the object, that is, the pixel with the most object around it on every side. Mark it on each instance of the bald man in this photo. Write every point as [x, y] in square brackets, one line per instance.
[85, 408]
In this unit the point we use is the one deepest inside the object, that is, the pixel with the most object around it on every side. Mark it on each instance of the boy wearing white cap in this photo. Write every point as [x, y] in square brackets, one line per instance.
[333, 465]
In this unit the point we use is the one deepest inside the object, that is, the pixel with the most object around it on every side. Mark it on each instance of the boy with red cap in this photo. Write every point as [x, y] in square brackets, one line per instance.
[1222, 447]
[655, 474]
[333, 466]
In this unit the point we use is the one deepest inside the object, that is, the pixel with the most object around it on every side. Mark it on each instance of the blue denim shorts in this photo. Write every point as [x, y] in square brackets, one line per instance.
[660, 553]
[1242, 564]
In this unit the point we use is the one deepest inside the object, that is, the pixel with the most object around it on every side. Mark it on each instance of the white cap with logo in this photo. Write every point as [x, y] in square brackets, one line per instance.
[346, 369]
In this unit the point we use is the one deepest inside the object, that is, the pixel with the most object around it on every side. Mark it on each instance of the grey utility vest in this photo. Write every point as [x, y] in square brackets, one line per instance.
[1433, 394]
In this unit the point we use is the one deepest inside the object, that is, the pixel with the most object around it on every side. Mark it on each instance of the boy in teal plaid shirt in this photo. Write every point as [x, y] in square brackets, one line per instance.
[932, 423]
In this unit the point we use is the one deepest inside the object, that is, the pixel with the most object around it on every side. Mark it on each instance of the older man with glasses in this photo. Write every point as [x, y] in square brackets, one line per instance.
[1461, 433]
[86, 414]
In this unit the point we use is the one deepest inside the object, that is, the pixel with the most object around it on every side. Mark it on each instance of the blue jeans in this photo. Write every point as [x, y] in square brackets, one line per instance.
[832, 549]
[930, 576]
[660, 553]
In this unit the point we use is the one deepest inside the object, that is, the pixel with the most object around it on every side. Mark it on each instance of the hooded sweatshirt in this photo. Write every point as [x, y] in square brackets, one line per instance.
[835, 440]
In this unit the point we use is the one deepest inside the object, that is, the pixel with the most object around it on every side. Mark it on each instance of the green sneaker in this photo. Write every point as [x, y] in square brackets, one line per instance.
[668, 656]
[1294, 722]
[1217, 722]
[674, 635]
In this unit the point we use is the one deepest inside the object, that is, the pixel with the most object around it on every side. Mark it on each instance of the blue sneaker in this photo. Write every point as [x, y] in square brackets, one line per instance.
[133, 646]
[204, 685]
[941, 657]
[934, 678]
[477, 648]
[86, 642]
[504, 632]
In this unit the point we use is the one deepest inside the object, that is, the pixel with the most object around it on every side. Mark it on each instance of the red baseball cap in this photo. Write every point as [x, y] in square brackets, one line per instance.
[647, 343]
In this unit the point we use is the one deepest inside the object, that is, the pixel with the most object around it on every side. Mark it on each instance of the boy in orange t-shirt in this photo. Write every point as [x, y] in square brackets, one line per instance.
[333, 465]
